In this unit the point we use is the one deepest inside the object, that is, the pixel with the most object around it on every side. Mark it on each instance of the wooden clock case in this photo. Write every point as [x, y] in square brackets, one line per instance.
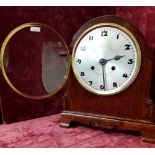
[132, 109]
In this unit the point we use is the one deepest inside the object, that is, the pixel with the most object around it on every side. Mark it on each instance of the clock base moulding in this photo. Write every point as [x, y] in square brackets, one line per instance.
[146, 128]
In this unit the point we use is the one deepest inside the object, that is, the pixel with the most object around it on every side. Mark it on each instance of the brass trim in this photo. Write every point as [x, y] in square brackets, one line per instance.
[7, 39]
[127, 83]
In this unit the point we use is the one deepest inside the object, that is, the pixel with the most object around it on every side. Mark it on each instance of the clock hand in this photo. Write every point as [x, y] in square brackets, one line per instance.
[117, 57]
[103, 76]
[103, 63]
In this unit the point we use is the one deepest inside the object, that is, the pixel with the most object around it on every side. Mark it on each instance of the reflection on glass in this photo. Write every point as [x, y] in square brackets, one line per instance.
[50, 67]
[36, 60]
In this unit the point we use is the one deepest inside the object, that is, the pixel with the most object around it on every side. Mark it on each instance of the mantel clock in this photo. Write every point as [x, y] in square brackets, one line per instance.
[110, 81]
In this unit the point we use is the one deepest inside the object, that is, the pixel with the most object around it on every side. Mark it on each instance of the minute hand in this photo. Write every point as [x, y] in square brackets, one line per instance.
[117, 57]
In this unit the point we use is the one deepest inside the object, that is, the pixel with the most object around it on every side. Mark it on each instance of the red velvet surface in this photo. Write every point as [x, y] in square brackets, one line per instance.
[66, 20]
[45, 132]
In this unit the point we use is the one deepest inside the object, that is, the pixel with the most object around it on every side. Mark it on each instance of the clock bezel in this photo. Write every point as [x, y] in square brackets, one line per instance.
[90, 26]
[6, 41]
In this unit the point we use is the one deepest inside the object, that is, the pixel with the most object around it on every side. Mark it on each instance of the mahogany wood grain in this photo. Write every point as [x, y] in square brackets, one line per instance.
[131, 109]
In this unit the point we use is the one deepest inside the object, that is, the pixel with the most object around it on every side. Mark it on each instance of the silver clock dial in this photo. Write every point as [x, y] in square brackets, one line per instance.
[106, 60]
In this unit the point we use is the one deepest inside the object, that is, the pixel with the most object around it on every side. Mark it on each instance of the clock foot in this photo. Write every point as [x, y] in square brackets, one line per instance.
[148, 136]
[147, 129]
[65, 124]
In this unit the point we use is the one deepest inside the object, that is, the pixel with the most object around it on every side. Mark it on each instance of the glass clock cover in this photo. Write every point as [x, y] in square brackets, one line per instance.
[35, 60]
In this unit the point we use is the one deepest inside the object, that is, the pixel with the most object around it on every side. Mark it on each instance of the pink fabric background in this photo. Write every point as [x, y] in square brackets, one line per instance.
[66, 20]
[45, 132]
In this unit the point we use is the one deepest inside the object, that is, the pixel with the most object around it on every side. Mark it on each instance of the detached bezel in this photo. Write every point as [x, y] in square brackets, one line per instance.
[4, 45]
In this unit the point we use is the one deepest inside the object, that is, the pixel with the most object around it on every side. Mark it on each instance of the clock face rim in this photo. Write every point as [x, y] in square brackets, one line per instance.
[4, 73]
[92, 27]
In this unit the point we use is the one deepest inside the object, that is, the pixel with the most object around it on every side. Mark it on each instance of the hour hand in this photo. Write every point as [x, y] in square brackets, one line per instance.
[117, 57]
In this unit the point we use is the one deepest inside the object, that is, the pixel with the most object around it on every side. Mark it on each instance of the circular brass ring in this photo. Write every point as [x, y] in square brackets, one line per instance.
[7, 39]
